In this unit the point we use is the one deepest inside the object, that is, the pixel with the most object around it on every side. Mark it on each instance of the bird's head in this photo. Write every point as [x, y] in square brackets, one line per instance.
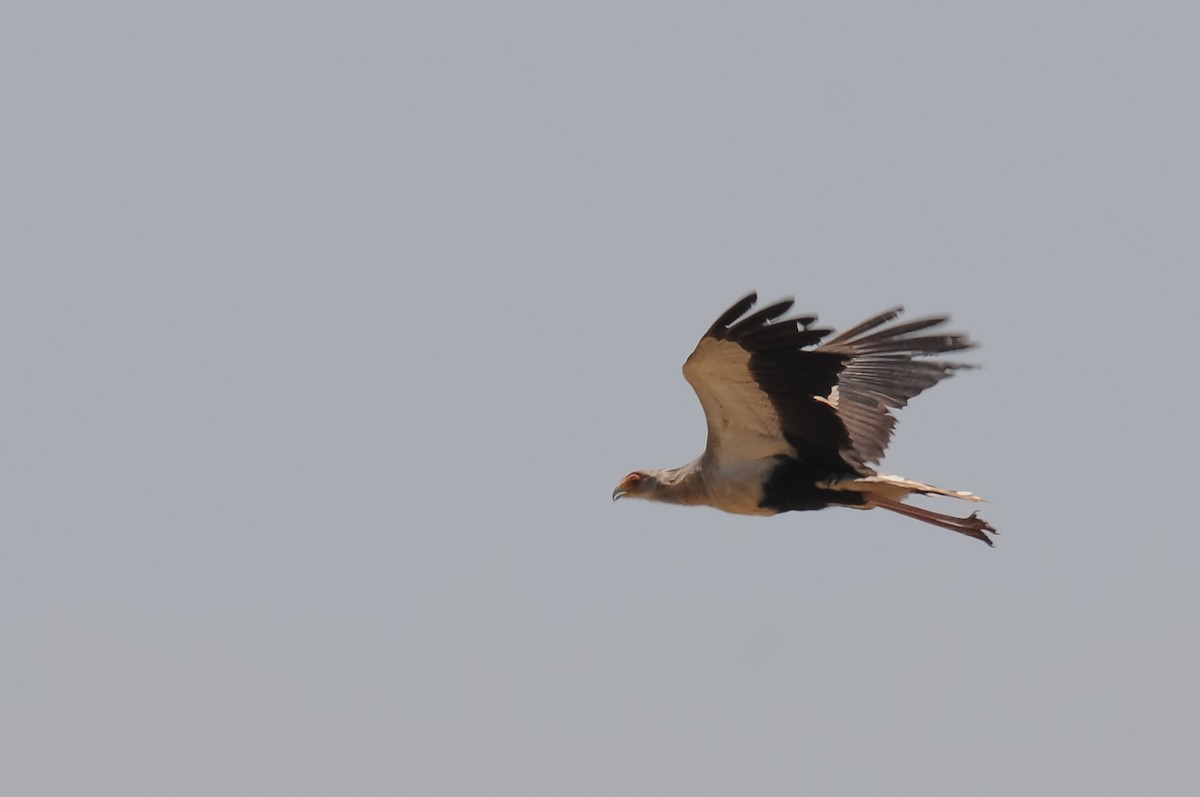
[639, 484]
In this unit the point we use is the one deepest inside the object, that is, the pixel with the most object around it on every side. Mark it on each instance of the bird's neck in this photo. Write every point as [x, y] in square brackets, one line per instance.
[683, 485]
[738, 490]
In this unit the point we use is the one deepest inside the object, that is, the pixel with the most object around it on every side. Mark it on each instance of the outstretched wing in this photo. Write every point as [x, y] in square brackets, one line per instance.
[768, 389]
[883, 374]
[758, 386]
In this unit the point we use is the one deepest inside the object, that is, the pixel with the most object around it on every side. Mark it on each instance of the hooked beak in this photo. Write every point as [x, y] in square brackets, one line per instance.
[617, 493]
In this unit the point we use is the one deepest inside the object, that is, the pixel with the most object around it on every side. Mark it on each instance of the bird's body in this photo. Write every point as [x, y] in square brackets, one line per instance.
[795, 423]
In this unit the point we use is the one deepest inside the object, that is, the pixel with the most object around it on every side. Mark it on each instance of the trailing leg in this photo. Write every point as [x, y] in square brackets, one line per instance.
[971, 526]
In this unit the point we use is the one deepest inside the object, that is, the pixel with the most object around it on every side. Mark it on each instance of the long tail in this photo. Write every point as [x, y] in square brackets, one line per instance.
[887, 492]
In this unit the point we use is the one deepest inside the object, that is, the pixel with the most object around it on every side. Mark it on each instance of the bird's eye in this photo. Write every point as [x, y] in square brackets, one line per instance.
[633, 481]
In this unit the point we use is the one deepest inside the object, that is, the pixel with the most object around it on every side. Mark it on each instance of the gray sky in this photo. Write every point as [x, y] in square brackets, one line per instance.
[328, 330]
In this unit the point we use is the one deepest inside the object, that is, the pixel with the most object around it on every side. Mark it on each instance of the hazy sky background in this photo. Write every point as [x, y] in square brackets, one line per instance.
[329, 328]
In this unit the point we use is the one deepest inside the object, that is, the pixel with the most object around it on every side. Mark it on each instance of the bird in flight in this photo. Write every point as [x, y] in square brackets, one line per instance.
[795, 421]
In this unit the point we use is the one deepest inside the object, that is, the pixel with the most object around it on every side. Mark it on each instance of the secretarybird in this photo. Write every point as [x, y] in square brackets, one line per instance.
[795, 423]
